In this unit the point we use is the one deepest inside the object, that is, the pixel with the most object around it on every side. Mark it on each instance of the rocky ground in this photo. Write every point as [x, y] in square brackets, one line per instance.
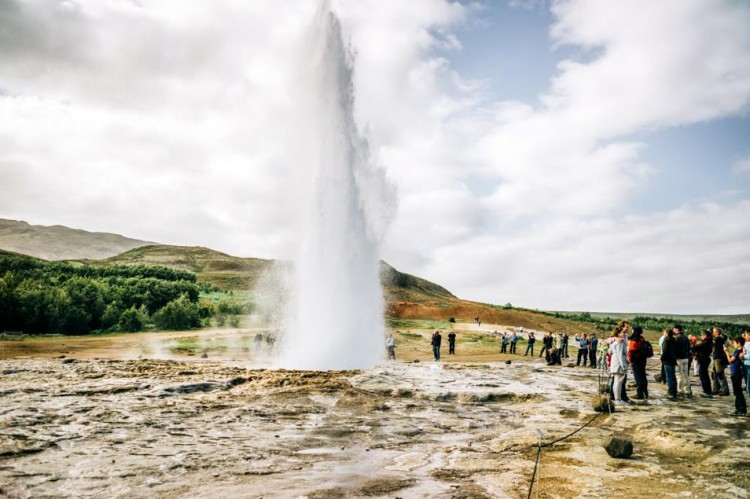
[92, 427]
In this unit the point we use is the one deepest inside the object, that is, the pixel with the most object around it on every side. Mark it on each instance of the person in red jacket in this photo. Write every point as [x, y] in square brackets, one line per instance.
[638, 362]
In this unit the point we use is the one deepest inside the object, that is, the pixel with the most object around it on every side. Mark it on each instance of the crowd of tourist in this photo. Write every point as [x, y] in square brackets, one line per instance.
[626, 350]
[679, 355]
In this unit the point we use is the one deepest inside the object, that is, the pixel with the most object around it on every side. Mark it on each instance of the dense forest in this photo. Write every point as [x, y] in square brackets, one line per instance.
[40, 297]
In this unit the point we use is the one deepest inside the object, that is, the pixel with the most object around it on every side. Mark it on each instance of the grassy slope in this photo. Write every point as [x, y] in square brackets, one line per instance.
[213, 267]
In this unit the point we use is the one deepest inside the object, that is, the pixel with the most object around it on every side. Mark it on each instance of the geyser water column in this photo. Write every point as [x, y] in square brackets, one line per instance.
[335, 314]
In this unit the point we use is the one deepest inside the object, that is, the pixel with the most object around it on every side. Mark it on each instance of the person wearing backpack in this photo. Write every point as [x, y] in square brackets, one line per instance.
[638, 353]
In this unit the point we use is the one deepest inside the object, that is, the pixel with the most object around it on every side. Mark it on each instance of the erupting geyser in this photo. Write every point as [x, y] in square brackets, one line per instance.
[335, 316]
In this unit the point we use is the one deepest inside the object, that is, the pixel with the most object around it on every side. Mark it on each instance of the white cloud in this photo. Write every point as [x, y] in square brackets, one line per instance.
[742, 166]
[688, 260]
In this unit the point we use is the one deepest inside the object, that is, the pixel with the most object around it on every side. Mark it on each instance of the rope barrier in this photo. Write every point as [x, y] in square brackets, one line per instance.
[602, 371]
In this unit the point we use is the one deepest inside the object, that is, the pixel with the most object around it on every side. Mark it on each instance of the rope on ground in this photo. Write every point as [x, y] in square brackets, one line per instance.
[550, 444]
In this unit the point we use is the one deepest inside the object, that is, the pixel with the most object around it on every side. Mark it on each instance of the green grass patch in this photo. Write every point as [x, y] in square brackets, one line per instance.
[416, 324]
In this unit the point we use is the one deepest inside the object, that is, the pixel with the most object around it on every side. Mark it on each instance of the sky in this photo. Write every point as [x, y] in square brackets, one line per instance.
[551, 154]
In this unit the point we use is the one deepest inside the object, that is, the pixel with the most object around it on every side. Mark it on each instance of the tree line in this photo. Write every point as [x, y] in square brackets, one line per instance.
[649, 323]
[39, 297]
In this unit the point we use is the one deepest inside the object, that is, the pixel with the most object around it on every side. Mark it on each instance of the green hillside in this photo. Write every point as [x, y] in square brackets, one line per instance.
[209, 266]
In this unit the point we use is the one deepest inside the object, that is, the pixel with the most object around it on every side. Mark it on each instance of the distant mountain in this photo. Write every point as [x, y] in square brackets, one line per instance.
[57, 242]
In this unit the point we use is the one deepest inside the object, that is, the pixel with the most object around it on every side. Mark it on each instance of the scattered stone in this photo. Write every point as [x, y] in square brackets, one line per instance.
[204, 355]
[570, 364]
[68, 361]
[60, 356]
[601, 403]
[416, 361]
[507, 362]
[237, 381]
[619, 448]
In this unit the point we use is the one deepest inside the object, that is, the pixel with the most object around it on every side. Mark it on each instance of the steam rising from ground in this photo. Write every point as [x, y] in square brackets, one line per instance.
[336, 273]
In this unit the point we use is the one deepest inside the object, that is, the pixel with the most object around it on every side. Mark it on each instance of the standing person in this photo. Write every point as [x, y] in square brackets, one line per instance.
[583, 349]
[746, 360]
[452, 343]
[565, 339]
[638, 358]
[545, 344]
[603, 358]
[719, 383]
[513, 341]
[702, 351]
[618, 365]
[593, 346]
[530, 339]
[735, 374]
[682, 352]
[437, 339]
[662, 375]
[669, 361]
[557, 354]
[390, 345]
[504, 343]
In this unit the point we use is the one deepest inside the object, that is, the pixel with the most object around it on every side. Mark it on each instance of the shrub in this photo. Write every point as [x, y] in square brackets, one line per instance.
[178, 314]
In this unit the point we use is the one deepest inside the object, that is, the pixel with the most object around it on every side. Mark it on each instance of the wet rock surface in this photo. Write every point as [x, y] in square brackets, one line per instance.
[161, 428]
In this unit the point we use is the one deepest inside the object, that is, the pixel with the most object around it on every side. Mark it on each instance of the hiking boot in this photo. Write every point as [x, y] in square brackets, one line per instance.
[707, 395]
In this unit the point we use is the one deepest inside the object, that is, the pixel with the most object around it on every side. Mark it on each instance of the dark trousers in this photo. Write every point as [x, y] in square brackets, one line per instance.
[565, 351]
[544, 349]
[512, 347]
[669, 370]
[704, 376]
[641, 381]
[529, 346]
[452, 348]
[582, 354]
[503, 347]
[592, 358]
[739, 398]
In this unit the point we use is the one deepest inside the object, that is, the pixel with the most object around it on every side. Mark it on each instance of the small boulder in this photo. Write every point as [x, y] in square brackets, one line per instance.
[619, 448]
[68, 361]
[204, 355]
[507, 362]
[601, 403]
[570, 364]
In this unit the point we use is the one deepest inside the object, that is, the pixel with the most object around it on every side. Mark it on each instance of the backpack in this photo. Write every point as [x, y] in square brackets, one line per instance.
[646, 350]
